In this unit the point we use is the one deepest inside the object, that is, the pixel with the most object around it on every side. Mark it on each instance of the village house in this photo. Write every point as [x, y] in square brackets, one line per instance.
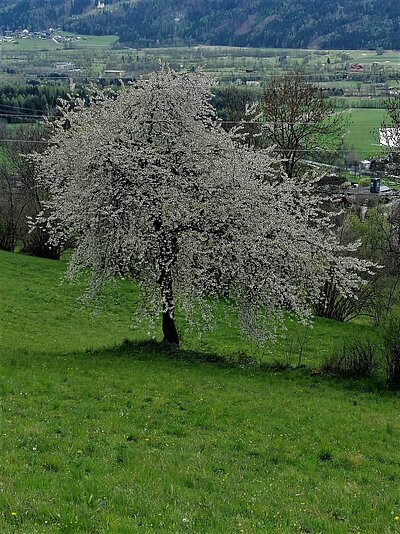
[355, 68]
[393, 91]
[115, 73]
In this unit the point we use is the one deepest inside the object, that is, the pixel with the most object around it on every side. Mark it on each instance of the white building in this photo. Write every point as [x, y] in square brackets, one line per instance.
[389, 137]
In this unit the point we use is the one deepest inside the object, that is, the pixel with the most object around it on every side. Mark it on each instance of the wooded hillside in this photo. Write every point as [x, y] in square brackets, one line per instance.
[270, 23]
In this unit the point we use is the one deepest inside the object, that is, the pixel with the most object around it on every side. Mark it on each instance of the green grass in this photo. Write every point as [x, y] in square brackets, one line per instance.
[29, 285]
[364, 132]
[368, 56]
[100, 436]
[93, 40]
[26, 45]
[3, 156]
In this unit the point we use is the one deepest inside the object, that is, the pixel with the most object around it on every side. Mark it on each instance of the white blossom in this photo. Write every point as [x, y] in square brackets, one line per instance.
[154, 189]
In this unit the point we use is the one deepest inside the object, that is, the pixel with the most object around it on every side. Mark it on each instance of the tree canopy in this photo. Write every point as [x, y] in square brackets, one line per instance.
[155, 190]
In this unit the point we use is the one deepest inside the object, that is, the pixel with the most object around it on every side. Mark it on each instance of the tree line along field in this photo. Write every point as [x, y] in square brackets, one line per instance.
[102, 435]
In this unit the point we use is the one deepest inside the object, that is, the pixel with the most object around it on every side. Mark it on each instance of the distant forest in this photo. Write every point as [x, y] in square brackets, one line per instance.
[333, 24]
[29, 102]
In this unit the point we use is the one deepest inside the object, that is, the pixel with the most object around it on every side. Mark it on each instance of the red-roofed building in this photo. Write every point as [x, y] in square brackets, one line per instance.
[356, 68]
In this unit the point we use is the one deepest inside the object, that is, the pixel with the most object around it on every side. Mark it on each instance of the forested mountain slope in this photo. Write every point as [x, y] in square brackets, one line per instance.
[273, 23]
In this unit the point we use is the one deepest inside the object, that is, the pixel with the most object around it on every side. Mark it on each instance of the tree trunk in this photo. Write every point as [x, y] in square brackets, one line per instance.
[168, 320]
[8, 239]
[169, 329]
[168, 251]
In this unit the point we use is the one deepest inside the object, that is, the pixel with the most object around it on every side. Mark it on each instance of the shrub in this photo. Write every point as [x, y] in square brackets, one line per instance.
[391, 348]
[385, 300]
[363, 182]
[334, 305]
[357, 359]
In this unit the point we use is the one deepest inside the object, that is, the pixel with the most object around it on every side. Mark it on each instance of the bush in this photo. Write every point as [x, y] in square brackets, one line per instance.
[355, 360]
[36, 244]
[334, 305]
[385, 300]
[391, 349]
[363, 182]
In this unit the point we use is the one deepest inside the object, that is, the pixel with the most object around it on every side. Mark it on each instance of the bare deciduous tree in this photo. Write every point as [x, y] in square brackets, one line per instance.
[299, 120]
[20, 196]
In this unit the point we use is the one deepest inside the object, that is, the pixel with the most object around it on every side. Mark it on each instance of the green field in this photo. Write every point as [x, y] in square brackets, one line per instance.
[26, 45]
[363, 134]
[94, 41]
[369, 56]
[101, 436]
[29, 45]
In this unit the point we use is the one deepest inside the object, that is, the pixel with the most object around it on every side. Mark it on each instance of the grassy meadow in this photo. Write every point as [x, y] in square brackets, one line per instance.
[102, 435]
[47, 45]
[363, 136]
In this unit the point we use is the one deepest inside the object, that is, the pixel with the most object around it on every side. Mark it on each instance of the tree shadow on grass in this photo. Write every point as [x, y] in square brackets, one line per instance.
[241, 362]
[155, 350]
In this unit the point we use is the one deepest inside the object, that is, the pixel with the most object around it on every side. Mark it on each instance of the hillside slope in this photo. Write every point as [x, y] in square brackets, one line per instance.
[272, 23]
[100, 435]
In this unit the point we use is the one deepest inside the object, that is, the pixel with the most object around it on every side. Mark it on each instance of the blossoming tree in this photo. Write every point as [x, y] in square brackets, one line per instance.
[154, 189]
